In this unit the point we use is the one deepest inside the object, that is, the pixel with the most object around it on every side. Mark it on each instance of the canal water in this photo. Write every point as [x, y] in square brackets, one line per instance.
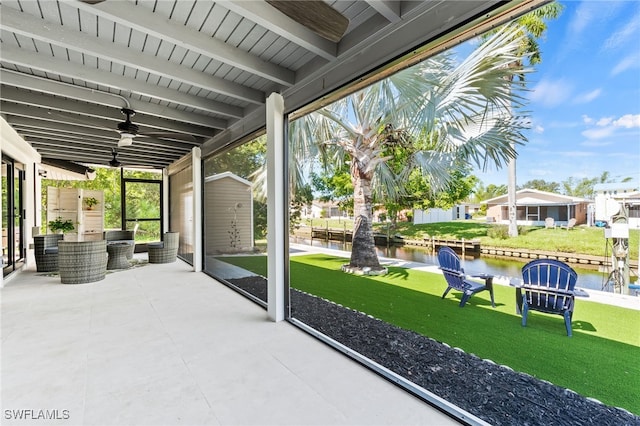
[498, 266]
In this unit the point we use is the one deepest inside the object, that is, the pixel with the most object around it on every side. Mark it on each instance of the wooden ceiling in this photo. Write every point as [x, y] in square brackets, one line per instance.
[196, 73]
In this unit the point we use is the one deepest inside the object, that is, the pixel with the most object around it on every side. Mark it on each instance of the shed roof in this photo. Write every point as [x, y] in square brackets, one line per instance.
[230, 175]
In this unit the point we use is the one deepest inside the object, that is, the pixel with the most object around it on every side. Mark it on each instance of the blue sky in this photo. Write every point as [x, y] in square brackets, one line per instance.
[585, 98]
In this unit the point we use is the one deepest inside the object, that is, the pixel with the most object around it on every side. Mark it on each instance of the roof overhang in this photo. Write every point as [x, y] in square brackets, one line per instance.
[64, 170]
[198, 73]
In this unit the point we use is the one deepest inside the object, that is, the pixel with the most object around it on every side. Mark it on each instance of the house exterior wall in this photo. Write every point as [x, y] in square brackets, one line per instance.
[634, 215]
[221, 196]
[494, 213]
[13, 146]
[533, 207]
[535, 215]
[627, 193]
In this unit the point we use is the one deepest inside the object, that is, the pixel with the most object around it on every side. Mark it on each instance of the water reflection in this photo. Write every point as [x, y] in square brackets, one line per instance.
[499, 266]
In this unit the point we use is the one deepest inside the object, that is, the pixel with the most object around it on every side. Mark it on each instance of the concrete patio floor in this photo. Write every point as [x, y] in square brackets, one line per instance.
[162, 345]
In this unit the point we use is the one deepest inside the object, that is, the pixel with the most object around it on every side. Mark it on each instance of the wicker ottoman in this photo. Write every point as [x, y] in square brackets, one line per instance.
[82, 261]
[165, 251]
[118, 255]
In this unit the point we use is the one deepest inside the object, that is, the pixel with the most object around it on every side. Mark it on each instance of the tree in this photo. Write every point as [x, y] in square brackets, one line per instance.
[335, 186]
[482, 193]
[243, 160]
[302, 198]
[532, 27]
[419, 194]
[585, 187]
[542, 185]
[461, 110]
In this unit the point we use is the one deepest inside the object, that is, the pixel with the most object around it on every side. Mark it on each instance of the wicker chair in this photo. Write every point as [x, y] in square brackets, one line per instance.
[165, 251]
[46, 252]
[82, 261]
[122, 236]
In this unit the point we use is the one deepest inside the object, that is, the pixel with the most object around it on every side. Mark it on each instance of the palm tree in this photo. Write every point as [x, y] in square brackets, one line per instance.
[460, 112]
[532, 27]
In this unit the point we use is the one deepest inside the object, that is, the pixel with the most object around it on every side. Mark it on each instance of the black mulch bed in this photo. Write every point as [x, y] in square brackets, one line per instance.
[494, 393]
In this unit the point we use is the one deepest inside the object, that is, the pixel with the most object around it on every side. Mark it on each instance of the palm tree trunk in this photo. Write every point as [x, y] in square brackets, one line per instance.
[511, 196]
[363, 251]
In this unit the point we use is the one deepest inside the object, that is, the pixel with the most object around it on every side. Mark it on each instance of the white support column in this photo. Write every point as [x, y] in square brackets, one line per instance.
[275, 208]
[165, 201]
[196, 224]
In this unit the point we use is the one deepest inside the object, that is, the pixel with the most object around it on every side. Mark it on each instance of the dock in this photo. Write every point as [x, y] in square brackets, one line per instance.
[575, 258]
[434, 243]
[346, 236]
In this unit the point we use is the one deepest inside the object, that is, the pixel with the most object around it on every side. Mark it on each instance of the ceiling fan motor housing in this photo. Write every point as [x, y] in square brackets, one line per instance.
[114, 161]
[127, 128]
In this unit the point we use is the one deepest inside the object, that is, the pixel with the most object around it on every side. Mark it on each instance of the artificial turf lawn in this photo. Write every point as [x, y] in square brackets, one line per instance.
[601, 360]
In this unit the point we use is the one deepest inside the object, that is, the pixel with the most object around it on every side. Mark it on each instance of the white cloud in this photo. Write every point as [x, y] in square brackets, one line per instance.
[628, 121]
[587, 97]
[604, 121]
[577, 154]
[595, 144]
[551, 93]
[628, 33]
[607, 126]
[598, 133]
[538, 129]
[541, 172]
[583, 18]
[628, 63]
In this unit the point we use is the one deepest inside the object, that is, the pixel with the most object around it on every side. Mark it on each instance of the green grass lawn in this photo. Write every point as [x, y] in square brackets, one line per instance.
[582, 239]
[601, 360]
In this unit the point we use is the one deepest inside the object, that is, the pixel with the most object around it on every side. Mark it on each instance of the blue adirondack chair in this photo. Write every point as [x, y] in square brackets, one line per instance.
[548, 286]
[456, 278]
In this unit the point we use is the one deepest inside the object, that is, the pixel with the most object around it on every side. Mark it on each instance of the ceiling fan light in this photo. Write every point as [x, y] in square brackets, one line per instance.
[125, 140]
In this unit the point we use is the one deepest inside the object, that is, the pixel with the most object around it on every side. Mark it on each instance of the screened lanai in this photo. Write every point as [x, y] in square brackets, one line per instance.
[195, 88]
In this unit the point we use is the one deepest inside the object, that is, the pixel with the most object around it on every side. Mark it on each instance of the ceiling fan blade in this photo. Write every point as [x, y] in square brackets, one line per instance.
[316, 15]
[172, 136]
[74, 119]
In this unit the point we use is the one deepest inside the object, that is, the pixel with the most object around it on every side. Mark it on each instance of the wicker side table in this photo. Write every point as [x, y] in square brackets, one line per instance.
[118, 255]
[46, 251]
[82, 261]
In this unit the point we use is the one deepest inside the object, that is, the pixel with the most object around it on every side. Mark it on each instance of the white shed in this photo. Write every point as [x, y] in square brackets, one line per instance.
[459, 211]
[228, 200]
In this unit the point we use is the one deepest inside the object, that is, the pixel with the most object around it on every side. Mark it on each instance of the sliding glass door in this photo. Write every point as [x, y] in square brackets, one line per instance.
[12, 215]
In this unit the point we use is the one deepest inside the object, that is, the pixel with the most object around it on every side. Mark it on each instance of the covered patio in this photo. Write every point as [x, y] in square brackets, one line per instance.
[161, 344]
[165, 343]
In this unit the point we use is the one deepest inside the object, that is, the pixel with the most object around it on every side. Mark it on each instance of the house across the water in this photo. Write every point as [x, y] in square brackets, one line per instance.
[534, 206]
